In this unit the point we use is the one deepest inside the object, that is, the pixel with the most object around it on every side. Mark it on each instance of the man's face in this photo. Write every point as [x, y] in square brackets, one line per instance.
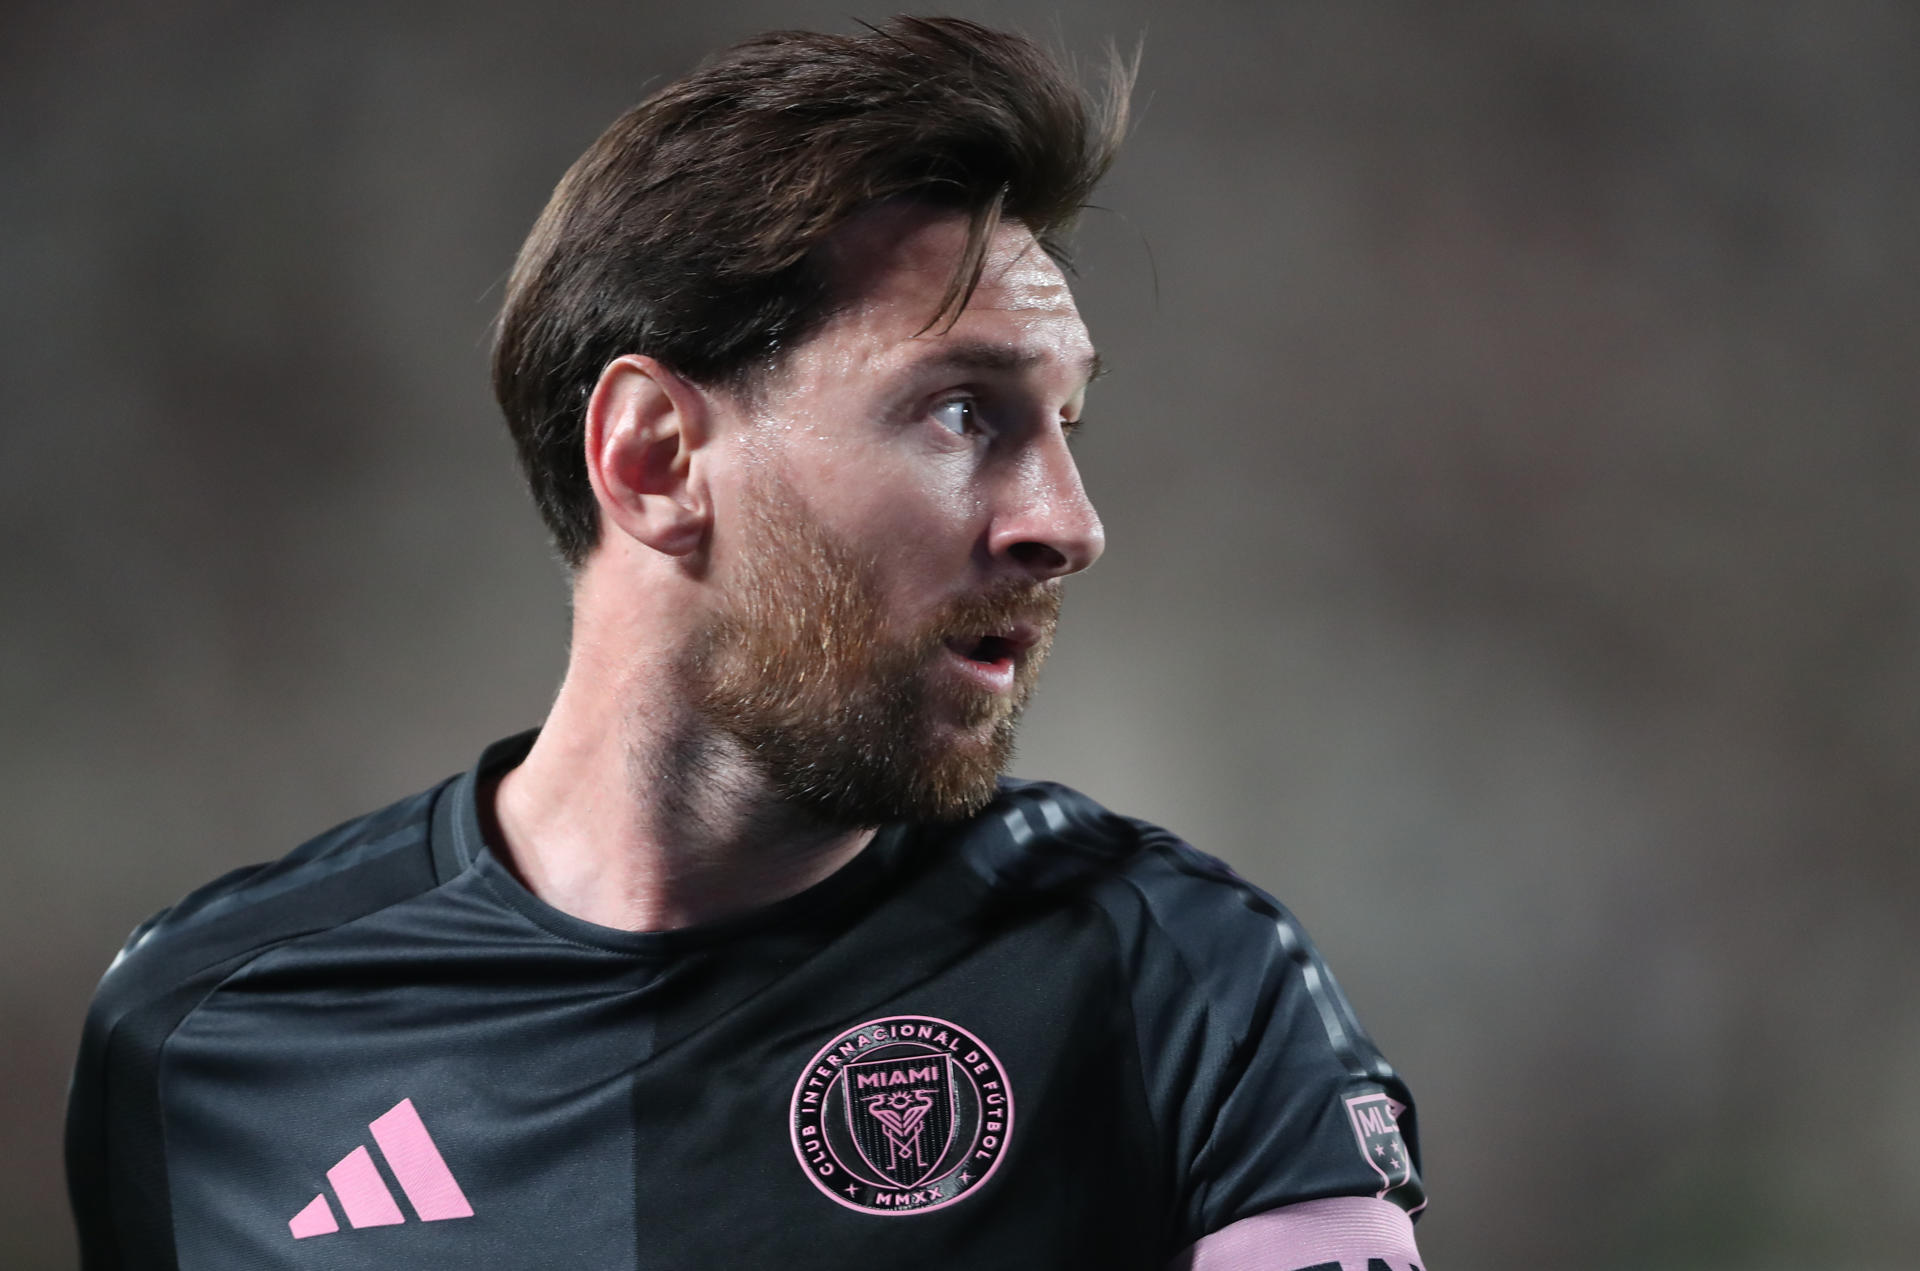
[902, 507]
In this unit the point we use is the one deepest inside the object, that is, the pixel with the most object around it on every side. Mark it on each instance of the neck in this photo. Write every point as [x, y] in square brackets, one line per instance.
[628, 813]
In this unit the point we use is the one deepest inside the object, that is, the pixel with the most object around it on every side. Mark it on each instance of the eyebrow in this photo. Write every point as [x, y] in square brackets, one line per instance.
[1001, 359]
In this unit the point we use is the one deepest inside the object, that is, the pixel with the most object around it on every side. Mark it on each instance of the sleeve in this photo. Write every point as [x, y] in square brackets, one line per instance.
[118, 1163]
[1293, 1142]
[89, 1182]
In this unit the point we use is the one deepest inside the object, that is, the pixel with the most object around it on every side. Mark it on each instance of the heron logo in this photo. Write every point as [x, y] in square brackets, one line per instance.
[901, 1115]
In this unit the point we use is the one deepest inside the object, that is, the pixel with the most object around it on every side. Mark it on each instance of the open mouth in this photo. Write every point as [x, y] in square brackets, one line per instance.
[990, 650]
[995, 648]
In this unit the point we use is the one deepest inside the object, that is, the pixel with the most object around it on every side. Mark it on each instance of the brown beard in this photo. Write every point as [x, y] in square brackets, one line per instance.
[840, 715]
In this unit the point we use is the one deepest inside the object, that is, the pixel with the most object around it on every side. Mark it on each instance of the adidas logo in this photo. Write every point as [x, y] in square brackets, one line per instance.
[416, 1165]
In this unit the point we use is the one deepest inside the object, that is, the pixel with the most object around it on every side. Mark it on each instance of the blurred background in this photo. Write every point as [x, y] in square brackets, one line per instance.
[1510, 468]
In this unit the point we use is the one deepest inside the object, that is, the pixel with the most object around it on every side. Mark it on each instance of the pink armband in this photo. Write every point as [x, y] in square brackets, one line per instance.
[1343, 1231]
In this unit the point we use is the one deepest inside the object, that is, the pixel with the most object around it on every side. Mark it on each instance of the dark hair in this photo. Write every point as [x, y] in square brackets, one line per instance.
[688, 230]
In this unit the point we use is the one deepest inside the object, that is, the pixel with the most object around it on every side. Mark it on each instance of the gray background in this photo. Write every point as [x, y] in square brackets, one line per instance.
[1509, 468]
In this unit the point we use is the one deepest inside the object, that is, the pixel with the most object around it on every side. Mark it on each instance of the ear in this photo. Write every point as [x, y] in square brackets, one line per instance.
[645, 427]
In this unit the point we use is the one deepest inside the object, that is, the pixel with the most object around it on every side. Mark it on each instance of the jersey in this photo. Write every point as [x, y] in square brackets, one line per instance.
[1050, 1036]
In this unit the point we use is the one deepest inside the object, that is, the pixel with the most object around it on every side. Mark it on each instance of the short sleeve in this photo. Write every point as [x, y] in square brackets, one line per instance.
[1265, 1090]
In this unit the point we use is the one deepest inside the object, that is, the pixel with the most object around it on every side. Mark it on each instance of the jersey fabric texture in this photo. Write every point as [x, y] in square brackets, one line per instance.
[1049, 1037]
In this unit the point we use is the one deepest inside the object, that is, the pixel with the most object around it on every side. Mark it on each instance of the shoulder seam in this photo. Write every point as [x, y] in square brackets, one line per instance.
[1165, 844]
[249, 893]
[253, 954]
[1343, 1032]
[1119, 877]
[169, 974]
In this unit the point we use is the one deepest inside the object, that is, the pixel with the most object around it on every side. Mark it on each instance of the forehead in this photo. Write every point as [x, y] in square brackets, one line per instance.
[890, 267]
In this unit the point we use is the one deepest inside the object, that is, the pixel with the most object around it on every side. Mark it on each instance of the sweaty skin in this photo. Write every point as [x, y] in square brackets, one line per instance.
[935, 455]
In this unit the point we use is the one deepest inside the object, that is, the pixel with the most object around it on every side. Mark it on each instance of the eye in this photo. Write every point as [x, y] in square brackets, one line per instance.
[960, 416]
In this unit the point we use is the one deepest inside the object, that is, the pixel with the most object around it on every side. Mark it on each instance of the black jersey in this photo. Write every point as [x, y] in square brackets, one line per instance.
[1049, 1037]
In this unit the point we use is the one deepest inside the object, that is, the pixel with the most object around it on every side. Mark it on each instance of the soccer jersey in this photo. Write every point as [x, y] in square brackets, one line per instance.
[1048, 1037]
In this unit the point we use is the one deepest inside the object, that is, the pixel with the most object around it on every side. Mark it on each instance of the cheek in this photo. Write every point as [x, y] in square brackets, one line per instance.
[927, 532]
[911, 508]
[924, 548]
[918, 516]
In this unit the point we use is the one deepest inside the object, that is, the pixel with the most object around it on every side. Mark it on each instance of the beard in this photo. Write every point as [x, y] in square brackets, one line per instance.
[845, 716]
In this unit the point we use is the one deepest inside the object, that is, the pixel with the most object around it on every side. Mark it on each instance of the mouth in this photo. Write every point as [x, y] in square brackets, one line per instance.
[996, 649]
[992, 660]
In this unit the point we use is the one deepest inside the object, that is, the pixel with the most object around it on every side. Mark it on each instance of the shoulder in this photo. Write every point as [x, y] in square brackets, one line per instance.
[1168, 901]
[356, 867]
[1257, 1072]
[115, 1145]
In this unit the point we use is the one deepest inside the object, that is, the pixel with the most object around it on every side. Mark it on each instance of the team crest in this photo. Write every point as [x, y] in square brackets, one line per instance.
[1376, 1126]
[901, 1115]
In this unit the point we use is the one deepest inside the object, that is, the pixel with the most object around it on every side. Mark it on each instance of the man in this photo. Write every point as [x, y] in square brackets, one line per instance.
[747, 957]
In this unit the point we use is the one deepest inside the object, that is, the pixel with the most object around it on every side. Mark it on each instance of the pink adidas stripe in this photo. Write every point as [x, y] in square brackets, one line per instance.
[365, 1198]
[315, 1220]
[1349, 1230]
[418, 1165]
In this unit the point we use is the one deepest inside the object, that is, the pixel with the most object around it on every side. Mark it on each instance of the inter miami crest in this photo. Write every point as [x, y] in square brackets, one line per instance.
[901, 1115]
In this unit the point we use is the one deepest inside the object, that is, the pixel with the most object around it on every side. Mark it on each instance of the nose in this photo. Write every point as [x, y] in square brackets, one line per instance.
[1046, 524]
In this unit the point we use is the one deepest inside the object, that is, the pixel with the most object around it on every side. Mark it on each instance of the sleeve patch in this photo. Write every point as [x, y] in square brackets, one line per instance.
[1376, 1129]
